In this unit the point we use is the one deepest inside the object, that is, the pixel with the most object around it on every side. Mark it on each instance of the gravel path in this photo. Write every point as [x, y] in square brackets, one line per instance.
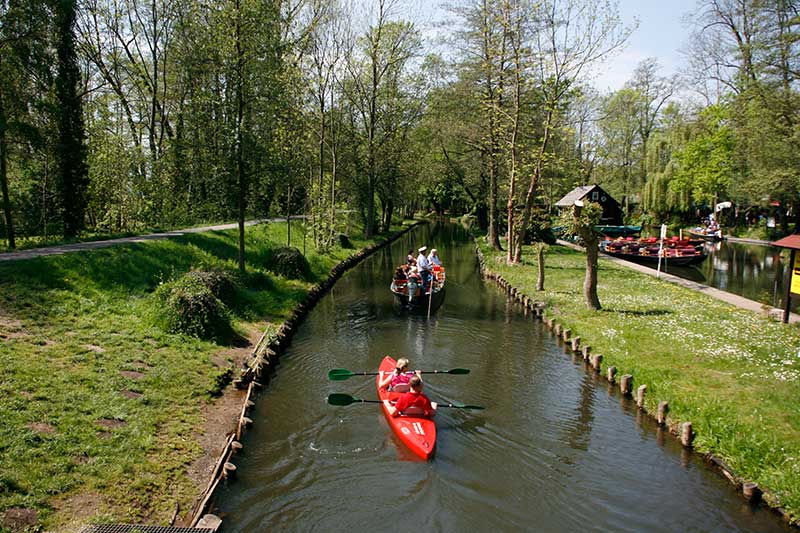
[83, 246]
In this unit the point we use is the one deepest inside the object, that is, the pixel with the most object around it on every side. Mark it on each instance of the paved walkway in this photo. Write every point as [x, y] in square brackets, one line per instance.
[733, 299]
[93, 245]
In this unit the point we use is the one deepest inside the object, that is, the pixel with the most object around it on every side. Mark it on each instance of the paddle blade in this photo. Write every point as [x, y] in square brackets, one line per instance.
[341, 399]
[458, 371]
[339, 374]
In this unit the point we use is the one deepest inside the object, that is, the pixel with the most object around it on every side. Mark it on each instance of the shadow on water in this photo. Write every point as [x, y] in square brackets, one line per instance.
[557, 449]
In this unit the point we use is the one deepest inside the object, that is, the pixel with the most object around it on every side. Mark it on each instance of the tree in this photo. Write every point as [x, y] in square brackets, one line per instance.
[582, 221]
[71, 147]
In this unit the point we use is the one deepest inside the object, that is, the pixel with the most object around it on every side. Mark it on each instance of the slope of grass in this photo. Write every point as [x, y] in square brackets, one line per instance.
[733, 373]
[93, 397]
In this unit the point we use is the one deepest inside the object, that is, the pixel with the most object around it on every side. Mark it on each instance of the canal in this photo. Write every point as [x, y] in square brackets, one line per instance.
[556, 449]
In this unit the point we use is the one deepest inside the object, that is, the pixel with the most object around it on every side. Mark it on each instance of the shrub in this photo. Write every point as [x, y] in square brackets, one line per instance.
[190, 307]
[291, 263]
[222, 284]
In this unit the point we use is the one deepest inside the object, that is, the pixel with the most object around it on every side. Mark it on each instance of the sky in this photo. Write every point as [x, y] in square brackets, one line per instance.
[661, 33]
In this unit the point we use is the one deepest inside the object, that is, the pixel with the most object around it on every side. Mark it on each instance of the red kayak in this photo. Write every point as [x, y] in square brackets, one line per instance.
[418, 433]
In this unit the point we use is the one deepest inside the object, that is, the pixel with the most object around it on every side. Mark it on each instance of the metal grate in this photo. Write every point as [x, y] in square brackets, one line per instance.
[127, 528]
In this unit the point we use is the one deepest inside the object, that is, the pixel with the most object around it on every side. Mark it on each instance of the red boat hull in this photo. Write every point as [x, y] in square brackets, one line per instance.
[417, 433]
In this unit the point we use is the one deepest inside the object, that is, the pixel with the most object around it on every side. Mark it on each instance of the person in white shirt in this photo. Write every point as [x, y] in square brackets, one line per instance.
[433, 258]
[424, 267]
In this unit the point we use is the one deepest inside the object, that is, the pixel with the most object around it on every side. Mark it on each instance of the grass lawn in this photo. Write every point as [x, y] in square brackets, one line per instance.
[733, 373]
[95, 401]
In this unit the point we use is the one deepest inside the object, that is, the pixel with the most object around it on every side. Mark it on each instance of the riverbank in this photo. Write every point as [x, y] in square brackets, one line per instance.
[734, 374]
[106, 417]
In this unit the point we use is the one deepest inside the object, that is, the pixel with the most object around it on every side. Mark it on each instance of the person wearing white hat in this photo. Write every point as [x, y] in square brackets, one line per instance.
[424, 267]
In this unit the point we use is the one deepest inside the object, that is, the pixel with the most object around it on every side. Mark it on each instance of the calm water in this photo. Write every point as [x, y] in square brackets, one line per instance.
[754, 271]
[555, 450]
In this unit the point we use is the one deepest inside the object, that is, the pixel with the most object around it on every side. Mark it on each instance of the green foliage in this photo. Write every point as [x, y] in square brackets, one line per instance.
[190, 306]
[290, 263]
[706, 164]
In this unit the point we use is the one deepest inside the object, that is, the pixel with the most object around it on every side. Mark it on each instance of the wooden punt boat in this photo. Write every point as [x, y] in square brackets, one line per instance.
[700, 233]
[417, 433]
[648, 254]
[619, 231]
[419, 298]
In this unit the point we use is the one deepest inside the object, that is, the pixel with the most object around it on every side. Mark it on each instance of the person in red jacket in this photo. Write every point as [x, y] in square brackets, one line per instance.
[413, 402]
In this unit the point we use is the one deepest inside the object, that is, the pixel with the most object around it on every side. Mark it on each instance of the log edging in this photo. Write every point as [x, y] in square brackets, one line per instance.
[681, 430]
[264, 357]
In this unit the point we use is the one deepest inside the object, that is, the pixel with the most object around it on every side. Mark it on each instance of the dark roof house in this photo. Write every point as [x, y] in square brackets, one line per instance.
[612, 212]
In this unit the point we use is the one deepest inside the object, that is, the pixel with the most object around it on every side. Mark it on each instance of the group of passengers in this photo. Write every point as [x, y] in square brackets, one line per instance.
[412, 401]
[418, 271]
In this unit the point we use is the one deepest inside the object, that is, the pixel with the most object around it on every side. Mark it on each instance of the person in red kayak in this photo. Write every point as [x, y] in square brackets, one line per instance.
[413, 402]
[398, 381]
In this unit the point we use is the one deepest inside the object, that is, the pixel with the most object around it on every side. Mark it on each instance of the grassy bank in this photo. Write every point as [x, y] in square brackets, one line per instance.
[100, 408]
[733, 373]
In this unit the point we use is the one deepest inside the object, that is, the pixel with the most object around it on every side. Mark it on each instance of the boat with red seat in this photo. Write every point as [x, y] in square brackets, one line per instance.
[416, 432]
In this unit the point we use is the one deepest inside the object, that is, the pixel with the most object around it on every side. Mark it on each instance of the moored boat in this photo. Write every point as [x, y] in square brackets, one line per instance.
[710, 236]
[619, 231]
[648, 253]
[410, 293]
[417, 433]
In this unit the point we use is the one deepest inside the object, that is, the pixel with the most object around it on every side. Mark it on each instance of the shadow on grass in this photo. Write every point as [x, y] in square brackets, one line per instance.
[651, 312]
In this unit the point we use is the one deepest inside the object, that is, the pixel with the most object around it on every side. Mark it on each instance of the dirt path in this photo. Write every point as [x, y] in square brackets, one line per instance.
[83, 246]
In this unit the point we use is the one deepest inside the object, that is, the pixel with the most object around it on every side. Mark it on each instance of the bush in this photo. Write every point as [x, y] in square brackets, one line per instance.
[190, 307]
[290, 263]
[222, 284]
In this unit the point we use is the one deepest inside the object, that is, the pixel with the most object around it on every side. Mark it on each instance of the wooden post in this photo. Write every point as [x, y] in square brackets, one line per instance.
[586, 350]
[626, 384]
[751, 491]
[236, 447]
[611, 373]
[230, 470]
[596, 361]
[788, 296]
[566, 334]
[686, 434]
[640, 396]
[557, 330]
[661, 414]
[209, 521]
[576, 344]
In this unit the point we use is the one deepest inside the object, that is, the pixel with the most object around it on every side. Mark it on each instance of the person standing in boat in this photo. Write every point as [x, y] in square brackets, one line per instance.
[398, 381]
[412, 403]
[410, 258]
[424, 267]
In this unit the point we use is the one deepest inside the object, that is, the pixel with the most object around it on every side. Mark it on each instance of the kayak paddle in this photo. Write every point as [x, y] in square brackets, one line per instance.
[346, 399]
[340, 374]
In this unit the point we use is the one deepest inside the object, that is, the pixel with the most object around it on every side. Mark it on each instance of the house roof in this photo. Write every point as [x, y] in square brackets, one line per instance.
[575, 194]
[792, 241]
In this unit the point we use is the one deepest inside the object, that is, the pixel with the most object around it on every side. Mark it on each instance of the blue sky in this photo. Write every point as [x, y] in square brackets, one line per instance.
[661, 34]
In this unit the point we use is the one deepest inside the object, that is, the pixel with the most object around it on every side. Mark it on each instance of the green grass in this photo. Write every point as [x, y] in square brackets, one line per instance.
[733, 373]
[70, 324]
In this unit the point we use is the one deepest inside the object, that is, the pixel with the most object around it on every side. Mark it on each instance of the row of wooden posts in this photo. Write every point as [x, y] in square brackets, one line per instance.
[256, 370]
[683, 431]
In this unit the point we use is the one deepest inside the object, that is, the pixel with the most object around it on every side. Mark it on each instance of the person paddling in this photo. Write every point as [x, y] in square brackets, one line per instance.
[398, 381]
[413, 402]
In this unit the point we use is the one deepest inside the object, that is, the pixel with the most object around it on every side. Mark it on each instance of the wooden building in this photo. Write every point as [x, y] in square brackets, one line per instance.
[612, 212]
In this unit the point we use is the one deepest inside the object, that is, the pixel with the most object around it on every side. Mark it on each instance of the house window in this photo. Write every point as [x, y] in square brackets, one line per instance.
[594, 195]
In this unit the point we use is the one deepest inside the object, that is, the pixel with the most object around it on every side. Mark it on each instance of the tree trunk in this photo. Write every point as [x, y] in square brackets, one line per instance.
[590, 281]
[71, 147]
[4, 178]
[540, 265]
[242, 177]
